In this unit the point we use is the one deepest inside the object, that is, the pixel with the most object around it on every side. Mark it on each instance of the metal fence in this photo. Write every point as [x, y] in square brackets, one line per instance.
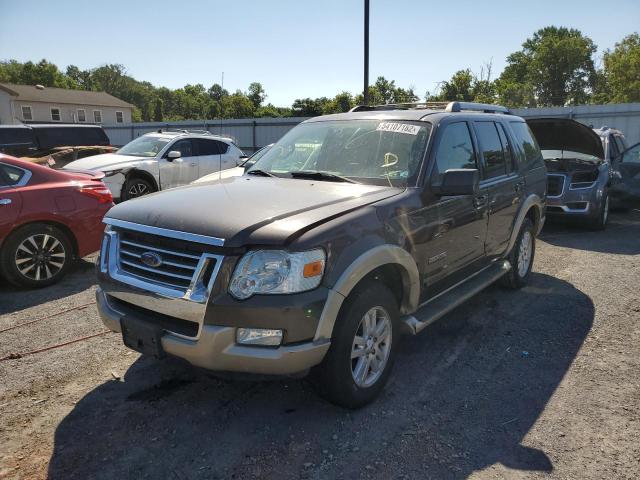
[251, 134]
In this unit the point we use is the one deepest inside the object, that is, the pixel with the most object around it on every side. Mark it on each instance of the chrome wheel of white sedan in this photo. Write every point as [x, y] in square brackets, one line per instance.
[371, 347]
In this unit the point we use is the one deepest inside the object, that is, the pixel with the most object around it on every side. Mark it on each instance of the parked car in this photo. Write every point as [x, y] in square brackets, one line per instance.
[47, 217]
[53, 144]
[237, 171]
[393, 216]
[161, 160]
[625, 161]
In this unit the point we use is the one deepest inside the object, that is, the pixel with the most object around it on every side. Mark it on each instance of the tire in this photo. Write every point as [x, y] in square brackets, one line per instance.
[36, 256]
[600, 221]
[135, 187]
[521, 261]
[335, 377]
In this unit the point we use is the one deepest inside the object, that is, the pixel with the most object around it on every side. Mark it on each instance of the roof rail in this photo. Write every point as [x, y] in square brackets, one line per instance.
[400, 106]
[184, 130]
[476, 107]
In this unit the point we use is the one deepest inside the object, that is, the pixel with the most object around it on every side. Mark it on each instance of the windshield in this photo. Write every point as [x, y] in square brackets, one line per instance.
[145, 146]
[256, 156]
[568, 154]
[367, 151]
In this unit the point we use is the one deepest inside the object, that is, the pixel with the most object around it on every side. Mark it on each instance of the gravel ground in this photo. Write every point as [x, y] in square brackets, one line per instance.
[535, 383]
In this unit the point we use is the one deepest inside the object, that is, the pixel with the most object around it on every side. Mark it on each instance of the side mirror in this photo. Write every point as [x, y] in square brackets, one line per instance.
[248, 165]
[459, 181]
[173, 154]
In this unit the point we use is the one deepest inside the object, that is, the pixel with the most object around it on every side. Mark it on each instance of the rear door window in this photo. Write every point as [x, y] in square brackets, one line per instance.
[10, 175]
[491, 148]
[207, 147]
[527, 143]
[455, 150]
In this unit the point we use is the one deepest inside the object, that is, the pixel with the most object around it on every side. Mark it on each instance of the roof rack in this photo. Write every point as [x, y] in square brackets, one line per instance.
[184, 130]
[446, 106]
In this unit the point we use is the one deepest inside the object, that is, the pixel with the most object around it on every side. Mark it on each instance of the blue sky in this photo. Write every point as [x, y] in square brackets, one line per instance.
[298, 48]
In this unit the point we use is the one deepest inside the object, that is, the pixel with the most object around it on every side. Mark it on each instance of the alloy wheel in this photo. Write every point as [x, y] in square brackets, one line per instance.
[371, 347]
[40, 257]
[137, 190]
[524, 253]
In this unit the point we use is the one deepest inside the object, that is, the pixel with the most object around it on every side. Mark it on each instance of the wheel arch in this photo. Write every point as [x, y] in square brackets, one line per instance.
[532, 208]
[67, 231]
[390, 264]
[138, 173]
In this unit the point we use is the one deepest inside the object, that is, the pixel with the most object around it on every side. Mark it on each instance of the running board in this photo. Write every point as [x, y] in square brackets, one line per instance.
[442, 304]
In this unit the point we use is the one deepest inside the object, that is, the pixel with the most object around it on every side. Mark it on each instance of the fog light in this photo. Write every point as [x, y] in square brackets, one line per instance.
[259, 336]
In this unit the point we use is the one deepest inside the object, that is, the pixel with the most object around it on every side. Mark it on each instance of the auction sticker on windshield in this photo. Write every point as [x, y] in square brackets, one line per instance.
[398, 127]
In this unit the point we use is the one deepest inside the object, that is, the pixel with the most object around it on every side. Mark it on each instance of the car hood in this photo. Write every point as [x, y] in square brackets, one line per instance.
[566, 134]
[249, 210]
[104, 162]
[229, 172]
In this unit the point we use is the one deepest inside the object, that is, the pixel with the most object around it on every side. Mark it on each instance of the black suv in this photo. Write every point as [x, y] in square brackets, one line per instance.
[350, 231]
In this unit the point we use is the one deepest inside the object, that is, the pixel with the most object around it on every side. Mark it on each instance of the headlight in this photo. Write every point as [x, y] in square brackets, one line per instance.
[277, 271]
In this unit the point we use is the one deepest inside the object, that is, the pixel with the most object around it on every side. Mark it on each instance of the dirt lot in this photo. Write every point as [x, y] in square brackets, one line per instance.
[536, 383]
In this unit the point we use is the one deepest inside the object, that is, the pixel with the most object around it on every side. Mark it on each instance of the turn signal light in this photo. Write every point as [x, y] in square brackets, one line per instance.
[313, 269]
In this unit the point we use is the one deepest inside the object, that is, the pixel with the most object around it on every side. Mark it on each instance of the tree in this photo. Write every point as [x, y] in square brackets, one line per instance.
[622, 71]
[237, 105]
[256, 94]
[157, 110]
[216, 92]
[29, 73]
[554, 67]
[309, 107]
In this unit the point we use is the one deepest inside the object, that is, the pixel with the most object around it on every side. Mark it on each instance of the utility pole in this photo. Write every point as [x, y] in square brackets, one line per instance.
[366, 52]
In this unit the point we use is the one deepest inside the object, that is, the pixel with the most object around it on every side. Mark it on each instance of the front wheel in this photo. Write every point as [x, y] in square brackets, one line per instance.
[602, 216]
[136, 187]
[521, 257]
[363, 348]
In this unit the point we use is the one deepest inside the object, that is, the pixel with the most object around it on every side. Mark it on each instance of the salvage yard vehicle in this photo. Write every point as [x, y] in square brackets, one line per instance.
[396, 215]
[54, 145]
[47, 217]
[161, 160]
[237, 171]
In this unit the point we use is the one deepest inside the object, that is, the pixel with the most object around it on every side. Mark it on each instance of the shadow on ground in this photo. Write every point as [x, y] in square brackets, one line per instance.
[463, 395]
[13, 299]
[573, 235]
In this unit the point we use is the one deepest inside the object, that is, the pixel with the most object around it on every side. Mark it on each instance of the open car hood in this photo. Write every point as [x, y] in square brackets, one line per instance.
[566, 134]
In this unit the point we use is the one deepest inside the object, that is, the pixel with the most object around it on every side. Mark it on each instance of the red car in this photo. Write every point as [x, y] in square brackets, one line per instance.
[47, 218]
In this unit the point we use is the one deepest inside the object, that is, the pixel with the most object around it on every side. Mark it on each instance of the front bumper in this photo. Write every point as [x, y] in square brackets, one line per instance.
[575, 202]
[216, 348]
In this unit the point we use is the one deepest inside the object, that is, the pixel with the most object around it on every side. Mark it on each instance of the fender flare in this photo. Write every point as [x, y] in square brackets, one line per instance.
[360, 268]
[532, 200]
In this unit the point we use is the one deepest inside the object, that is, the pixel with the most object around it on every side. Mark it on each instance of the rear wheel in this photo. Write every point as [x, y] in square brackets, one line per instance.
[136, 187]
[363, 348]
[521, 257]
[36, 256]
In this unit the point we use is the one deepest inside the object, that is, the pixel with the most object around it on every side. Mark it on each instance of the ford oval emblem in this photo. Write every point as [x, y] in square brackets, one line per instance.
[151, 259]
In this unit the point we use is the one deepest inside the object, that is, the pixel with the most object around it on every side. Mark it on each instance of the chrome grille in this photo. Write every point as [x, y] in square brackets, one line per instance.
[555, 185]
[176, 270]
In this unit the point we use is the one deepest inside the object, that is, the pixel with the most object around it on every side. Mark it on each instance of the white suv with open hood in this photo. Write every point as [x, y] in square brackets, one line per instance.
[161, 160]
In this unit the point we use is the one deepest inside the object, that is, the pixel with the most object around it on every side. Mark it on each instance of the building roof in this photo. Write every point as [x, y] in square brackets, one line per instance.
[31, 93]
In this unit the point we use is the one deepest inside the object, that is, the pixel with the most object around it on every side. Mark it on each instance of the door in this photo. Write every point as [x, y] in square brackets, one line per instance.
[11, 179]
[628, 189]
[455, 226]
[208, 156]
[501, 182]
[229, 155]
[179, 171]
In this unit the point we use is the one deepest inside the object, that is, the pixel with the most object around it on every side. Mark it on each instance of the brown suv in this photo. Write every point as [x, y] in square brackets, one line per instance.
[350, 231]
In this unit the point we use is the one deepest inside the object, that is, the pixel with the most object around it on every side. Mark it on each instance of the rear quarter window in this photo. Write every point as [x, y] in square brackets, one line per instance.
[51, 137]
[530, 155]
[10, 175]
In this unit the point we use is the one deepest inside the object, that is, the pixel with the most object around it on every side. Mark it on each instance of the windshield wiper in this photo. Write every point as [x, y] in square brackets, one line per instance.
[326, 176]
[262, 173]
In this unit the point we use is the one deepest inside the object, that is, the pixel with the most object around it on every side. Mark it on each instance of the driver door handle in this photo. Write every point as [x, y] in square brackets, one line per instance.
[193, 164]
[5, 201]
[480, 201]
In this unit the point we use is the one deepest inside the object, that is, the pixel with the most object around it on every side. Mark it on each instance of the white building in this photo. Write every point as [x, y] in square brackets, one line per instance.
[38, 104]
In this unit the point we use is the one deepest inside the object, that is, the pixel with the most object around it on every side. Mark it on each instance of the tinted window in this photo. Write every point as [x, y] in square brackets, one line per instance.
[613, 148]
[455, 149]
[491, 149]
[210, 147]
[526, 142]
[620, 143]
[632, 155]
[10, 175]
[50, 137]
[223, 147]
[184, 147]
[16, 136]
[507, 149]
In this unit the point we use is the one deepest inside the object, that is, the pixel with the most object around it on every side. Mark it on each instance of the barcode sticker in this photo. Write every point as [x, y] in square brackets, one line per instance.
[398, 128]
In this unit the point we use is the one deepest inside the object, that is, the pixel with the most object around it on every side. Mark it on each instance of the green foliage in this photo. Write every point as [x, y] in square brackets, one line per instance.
[554, 67]
[620, 79]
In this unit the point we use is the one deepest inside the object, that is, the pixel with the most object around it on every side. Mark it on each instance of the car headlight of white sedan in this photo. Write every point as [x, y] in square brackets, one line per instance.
[277, 272]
